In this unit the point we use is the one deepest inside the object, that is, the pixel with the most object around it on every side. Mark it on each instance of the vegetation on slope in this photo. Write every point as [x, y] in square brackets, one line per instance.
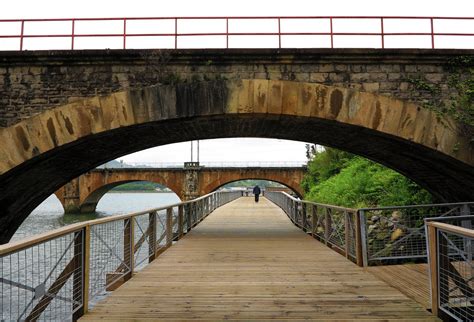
[340, 178]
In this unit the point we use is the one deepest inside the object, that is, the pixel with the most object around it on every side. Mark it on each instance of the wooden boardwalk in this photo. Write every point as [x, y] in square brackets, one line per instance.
[247, 261]
[410, 279]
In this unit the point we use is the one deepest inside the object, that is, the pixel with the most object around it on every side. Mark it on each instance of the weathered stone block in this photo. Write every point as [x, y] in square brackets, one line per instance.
[318, 77]
[371, 87]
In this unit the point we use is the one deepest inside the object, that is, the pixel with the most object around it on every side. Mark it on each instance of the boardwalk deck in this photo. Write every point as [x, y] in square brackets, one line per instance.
[248, 262]
[410, 279]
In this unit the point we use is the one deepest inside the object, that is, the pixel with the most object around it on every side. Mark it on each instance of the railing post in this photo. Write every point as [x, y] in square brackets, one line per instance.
[128, 246]
[189, 217]
[80, 291]
[314, 219]
[124, 33]
[295, 209]
[363, 238]
[175, 33]
[169, 227]
[304, 215]
[432, 34]
[73, 31]
[433, 267]
[346, 233]
[382, 33]
[151, 236]
[328, 224]
[358, 241]
[279, 32]
[332, 36]
[180, 221]
[227, 35]
[443, 265]
[21, 34]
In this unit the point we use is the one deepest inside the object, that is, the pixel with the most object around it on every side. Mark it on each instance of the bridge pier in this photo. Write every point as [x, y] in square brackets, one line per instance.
[70, 197]
[191, 180]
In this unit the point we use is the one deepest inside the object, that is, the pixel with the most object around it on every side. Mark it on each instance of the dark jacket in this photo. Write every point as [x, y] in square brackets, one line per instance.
[256, 190]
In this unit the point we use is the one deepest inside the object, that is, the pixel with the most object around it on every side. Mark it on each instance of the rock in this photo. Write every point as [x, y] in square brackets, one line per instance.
[382, 235]
[374, 219]
[397, 233]
[371, 228]
[396, 215]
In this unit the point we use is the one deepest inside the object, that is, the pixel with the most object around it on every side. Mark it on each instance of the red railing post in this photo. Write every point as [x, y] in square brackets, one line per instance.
[21, 34]
[382, 32]
[432, 34]
[227, 33]
[175, 33]
[73, 27]
[279, 32]
[124, 33]
[332, 36]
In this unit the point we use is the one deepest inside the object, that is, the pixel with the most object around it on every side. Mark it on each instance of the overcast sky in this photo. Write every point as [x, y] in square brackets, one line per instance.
[229, 149]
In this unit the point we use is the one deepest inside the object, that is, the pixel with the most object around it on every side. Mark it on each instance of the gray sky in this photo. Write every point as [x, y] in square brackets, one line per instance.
[229, 149]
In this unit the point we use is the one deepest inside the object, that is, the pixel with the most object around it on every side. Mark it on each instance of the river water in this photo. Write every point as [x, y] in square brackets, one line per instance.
[50, 214]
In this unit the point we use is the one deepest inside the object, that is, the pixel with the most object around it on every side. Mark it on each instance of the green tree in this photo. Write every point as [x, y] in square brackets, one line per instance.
[340, 178]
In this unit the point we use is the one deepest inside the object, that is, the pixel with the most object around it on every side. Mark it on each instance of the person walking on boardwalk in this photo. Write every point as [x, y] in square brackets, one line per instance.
[256, 192]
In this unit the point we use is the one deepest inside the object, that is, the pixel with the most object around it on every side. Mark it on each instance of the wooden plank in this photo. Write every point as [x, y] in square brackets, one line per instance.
[410, 279]
[246, 261]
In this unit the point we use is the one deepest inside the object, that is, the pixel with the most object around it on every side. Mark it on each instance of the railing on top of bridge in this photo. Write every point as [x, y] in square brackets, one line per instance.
[238, 32]
[371, 235]
[451, 252]
[212, 164]
[59, 274]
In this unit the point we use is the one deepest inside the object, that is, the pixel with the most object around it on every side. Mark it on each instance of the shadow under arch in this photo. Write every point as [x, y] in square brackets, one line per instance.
[44, 152]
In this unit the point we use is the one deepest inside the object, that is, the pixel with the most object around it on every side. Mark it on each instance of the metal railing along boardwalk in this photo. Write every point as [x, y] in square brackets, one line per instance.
[59, 274]
[451, 251]
[238, 32]
[371, 235]
[332, 225]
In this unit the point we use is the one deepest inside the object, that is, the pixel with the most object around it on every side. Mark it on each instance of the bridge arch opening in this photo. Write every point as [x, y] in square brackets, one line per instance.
[397, 134]
[246, 185]
[138, 194]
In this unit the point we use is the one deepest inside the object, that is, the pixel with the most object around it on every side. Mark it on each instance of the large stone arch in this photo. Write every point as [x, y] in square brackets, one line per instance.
[42, 153]
[291, 178]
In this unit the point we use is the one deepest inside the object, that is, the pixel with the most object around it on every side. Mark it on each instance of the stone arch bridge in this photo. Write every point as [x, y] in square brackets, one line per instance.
[83, 193]
[65, 113]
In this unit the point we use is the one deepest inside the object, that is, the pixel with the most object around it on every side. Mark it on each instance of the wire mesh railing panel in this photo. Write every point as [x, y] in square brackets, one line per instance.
[161, 229]
[398, 232]
[175, 223]
[336, 234]
[456, 275]
[43, 282]
[320, 228]
[142, 241]
[110, 255]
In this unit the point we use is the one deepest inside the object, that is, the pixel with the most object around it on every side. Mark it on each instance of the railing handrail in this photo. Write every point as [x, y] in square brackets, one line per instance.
[124, 33]
[49, 235]
[452, 228]
[418, 206]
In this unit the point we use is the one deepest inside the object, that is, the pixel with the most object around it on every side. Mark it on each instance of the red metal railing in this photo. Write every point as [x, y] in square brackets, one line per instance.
[438, 28]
